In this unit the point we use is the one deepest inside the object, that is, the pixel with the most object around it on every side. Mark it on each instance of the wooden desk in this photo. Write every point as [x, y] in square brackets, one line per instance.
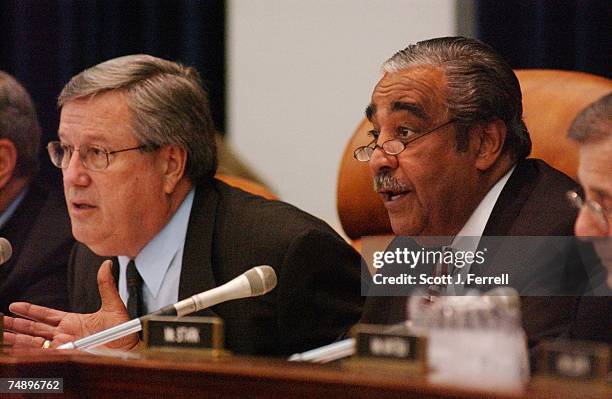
[186, 376]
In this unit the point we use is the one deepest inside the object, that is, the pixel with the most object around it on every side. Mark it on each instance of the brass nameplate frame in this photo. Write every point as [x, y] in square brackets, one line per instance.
[574, 360]
[384, 348]
[168, 333]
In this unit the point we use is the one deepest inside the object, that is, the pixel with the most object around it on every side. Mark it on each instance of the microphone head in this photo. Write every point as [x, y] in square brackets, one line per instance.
[6, 250]
[262, 279]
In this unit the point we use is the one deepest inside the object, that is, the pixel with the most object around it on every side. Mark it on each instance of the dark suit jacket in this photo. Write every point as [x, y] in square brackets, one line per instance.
[532, 203]
[39, 232]
[318, 293]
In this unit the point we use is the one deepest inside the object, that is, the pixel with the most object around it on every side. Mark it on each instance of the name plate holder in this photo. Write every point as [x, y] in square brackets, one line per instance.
[575, 361]
[201, 335]
[387, 349]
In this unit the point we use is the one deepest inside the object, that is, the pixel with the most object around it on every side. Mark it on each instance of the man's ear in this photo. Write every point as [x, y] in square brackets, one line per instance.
[174, 162]
[8, 161]
[490, 141]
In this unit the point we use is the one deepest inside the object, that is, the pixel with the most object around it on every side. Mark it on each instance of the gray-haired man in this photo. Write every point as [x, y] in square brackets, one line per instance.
[138, 157]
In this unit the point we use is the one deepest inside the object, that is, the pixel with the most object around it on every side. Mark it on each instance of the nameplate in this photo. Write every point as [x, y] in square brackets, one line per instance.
[192, 333]
[478, 359]
[385, 347]
[575, 360]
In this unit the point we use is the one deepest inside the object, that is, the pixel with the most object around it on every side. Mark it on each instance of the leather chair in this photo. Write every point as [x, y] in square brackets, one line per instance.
[247, 185]
[234, 171]
[551, 100]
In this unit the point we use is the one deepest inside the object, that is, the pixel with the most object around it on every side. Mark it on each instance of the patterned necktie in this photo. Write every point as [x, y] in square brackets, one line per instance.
[440, 269]
[135, 304]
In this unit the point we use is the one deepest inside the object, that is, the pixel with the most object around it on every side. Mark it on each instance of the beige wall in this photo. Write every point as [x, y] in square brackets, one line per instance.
[300, 73]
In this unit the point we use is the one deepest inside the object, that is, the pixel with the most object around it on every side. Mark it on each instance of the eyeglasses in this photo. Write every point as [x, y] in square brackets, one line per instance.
[600, 215]
[392, 146]
[92, 157]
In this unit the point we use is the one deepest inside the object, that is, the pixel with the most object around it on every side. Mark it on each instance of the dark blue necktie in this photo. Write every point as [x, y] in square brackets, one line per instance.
[135, 304]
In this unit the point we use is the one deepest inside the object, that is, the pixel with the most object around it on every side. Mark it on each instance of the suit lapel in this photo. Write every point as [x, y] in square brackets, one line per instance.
[505, 213]
[512, 198]
[22, 241]
[197, 270]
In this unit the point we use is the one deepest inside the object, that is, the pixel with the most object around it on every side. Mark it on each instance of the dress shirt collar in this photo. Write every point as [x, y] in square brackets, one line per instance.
[469, 236]
[155, 258]
[477, 222]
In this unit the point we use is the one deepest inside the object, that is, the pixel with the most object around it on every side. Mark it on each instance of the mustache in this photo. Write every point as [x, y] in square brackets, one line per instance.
[384, 181]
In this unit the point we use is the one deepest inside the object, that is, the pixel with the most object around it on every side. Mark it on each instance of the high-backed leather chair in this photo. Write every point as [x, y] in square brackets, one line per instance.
[551, 100]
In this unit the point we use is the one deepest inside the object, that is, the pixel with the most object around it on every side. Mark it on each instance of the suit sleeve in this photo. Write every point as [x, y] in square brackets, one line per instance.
[83, 293]
[46, 285]
[319, 292]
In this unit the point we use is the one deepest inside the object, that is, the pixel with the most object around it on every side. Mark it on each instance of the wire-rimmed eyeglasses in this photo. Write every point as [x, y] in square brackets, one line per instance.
[92, 157]
[392, 146]
[599, 213]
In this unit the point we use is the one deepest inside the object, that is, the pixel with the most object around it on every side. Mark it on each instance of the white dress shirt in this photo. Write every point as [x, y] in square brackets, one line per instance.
[469, 236]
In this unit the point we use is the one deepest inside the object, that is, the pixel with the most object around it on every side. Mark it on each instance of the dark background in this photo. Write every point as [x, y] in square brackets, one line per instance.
[556, 34]
[45, 42]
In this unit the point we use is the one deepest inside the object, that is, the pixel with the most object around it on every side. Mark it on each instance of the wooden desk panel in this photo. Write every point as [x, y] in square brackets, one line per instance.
[185, 376]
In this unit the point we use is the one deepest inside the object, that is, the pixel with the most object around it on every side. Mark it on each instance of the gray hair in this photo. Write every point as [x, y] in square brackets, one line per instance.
[594, 123]
[167, 102]
[19, 124]
[481, 87]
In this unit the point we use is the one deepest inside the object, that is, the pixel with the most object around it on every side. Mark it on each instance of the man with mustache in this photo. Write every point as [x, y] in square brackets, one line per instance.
[448, 156]
[138, 157]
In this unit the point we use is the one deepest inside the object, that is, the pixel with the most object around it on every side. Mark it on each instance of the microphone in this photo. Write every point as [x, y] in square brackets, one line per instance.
[6, 250]
[257, 281]
[328, 353]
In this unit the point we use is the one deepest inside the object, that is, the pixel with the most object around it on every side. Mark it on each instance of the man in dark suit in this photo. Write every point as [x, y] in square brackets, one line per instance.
[448, 157]
[33, 215]
[138, 157]
[592, 130]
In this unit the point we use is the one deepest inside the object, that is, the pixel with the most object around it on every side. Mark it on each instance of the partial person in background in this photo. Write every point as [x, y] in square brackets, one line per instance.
[138, 157]
[33, 216]
[592, 130]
